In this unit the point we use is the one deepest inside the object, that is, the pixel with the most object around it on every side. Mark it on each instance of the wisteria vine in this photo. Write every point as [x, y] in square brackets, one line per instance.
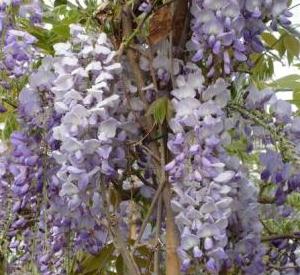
[125, 143]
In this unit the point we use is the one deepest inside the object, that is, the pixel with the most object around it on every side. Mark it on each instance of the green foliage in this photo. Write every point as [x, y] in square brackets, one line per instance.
[10, 125]
[120, 265]
[238, 147]
[264, 67]
[60, 2]
[269, 39]
[109, 261]
[160, 109]
[292, 47]
[286, 44]
[59, 19]
[283, 226]
[291, 82]
[92, 264]
[294, 200]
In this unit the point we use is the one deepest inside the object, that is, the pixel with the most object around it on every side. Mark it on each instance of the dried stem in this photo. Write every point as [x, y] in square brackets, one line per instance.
[172, 263]
[157, 236]
[150, 211]
[130, 36]
[137, 74]
[280, 237]
[113, 228]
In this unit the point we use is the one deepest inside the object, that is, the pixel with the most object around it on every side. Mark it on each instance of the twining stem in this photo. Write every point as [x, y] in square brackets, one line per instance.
[150, 211]
[280, 237]
[172, 263]
[157, 236]
[10, 103]
[137, 74]
[130, 36]
[113, 228]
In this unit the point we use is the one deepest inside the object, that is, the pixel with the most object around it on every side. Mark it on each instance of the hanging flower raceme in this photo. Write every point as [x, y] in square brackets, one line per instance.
[26, 167]
[226, 32]
[17, 51]
[72, 136]
[278, 130]
[82, 139]
[87, 97]
[272, 121]
[205, 179]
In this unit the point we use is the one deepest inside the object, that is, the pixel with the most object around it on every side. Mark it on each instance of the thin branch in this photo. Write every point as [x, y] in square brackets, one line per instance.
[133, 34]
[155, 157]
[172, 262]
[295, 6]
[152, 71]
[137, 73]
[150, 211]
[10, 103]
[138, 142]
[140, 50]
[283, 267]
[120, 245]
[280, 237]
[141, 178]
[157, 236]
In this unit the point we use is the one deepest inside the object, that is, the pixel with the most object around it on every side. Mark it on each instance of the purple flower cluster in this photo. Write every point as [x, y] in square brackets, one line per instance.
[76, 121]
[17, 50]
[90, 133]
[247, 251]
[28, 180]
[71, 118]
[205, 179]
[226, 32]
[279, 132]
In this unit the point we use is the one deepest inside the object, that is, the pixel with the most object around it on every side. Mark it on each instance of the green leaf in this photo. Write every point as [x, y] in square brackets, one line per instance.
[10, 125]
[288, 82]
[294, 200]
[160, 109]
[296, 98]
[94, 263]
[62, 30]
[120, 265]
[263, 68]
[269, 38]
[60, 2]
[280, 47]
[292, 47]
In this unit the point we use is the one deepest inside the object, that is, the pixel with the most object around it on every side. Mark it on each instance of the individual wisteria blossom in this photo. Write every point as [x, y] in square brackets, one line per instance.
[145, 6]
[226, 32]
